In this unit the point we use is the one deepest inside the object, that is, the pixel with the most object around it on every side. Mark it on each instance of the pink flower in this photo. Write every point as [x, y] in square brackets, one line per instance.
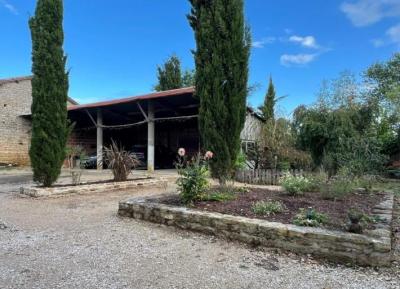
[181, 152]
[208, 155]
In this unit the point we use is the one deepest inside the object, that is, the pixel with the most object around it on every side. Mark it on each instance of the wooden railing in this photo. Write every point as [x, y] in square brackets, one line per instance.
[263, 176]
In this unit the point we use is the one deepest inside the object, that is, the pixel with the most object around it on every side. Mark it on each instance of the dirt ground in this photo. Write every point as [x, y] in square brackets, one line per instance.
[80, 242]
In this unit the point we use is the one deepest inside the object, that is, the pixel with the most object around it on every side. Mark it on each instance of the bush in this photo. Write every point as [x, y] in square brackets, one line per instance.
[224, 193]
[366, 182]
[310, 218]
[241, 161]
[337, 189]
[295, 185]
[120, 161]
[268, 208]
[219, 197]
[193, 177]
[340, 186]
[359, 221]
[317, 181]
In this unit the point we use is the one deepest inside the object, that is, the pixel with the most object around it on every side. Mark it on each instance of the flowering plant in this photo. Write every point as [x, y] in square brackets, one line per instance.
[193, 175]
[295, 185]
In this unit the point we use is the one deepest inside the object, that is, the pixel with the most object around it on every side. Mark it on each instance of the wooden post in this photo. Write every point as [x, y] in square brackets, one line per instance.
[99, 140]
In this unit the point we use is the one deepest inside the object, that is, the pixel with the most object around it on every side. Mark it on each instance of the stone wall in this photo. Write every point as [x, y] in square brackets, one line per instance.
[15, 120]
[15, 129]
[90, 188]
[373, 248]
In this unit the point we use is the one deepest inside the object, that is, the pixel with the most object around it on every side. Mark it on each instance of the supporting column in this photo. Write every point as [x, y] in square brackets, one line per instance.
[99, 140]
[150, 137]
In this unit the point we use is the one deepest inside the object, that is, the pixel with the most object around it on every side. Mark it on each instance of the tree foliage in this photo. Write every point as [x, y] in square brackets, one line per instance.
[277, 147]
[221, 58]
[384, 81]
[268, 108]
[170, 75]
[49, 92]
[337, 129]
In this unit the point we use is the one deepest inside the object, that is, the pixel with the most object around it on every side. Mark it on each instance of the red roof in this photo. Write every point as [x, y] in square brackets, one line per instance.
[155, 95]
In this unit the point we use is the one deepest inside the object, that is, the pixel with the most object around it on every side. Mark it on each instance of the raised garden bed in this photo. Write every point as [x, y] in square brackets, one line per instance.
[227, 219]
[95, 187]
[336, 210]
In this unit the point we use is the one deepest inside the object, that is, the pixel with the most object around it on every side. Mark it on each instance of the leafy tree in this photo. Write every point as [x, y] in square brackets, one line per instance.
[338, 122]
[268, 108]
[169, 75]
[384, 79]
[278, 145]
[188, 78]
[49, 92]
[221, 58]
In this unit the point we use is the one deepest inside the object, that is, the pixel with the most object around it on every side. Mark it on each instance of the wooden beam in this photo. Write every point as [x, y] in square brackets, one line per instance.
[143, 113]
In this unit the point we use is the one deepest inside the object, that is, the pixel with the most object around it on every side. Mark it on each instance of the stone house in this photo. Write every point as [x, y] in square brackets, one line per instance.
[15, 123]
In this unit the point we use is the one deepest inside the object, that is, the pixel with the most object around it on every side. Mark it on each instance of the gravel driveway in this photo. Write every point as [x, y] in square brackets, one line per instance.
[80, 242]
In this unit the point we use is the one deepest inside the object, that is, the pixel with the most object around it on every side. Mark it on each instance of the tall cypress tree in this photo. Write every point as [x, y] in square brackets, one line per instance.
[221, 58]
[268, 109]
[49, 92]
[169, 75]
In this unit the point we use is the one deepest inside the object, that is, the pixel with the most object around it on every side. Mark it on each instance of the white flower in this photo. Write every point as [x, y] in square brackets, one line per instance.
[181, 152]
[208, 155]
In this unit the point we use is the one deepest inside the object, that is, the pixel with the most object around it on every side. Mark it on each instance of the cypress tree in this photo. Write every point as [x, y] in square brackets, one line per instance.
[169, 75]
[221, 58]
[268, 109]
[49, 92]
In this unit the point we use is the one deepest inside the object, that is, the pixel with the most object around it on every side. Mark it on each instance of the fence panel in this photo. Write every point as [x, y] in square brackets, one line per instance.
[263, 176]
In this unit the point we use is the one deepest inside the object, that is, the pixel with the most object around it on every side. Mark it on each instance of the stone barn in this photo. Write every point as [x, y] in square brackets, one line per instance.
[15, 123]
[154, 125]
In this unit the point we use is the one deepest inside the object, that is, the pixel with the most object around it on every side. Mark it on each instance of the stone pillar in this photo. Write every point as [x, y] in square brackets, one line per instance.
[150, 137]
[99, 140]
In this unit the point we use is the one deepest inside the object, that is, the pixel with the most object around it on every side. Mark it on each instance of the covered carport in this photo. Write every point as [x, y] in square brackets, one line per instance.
[158, 123]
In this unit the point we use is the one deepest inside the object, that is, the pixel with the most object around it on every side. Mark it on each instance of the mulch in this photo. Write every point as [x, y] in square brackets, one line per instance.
[336, 210]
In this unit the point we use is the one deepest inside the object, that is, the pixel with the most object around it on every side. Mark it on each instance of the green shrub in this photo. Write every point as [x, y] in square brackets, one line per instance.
[340, 186]
[120, 161]
[366, 182]
[317, 181]
[284, 166]
[224, 193]
[241, 161]
[193, 178]
[268, 208]
[295, 185]
[337, 189]
[359, 220]
[219, 197]
[310, 218]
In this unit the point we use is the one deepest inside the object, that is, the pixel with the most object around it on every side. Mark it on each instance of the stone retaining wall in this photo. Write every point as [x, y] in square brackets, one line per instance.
[92, 188]
[372, 248]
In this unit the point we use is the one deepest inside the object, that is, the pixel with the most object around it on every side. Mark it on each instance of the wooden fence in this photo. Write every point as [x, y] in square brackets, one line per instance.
[263, 176]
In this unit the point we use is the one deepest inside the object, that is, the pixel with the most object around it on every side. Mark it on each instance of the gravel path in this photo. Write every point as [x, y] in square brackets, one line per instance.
[80, 242]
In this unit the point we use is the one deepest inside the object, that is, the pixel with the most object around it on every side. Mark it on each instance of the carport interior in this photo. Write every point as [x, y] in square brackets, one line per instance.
[170, 116]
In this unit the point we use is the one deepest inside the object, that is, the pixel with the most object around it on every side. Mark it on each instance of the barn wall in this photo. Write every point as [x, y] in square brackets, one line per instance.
[15, 130]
